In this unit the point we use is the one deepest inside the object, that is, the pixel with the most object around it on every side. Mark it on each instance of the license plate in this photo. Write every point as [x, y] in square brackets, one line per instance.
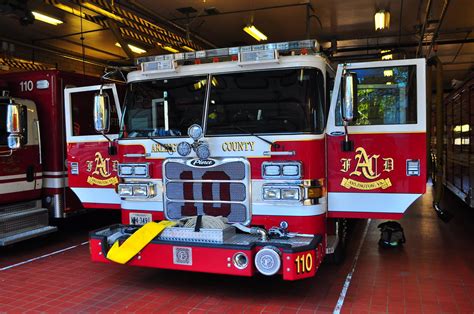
[139, 218]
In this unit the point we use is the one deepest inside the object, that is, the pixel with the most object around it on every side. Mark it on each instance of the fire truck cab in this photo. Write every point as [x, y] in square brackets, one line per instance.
[33, 180]
[253, 154]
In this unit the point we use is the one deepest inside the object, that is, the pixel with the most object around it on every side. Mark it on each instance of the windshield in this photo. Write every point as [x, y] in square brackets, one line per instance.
[164, 107]
[276, 101]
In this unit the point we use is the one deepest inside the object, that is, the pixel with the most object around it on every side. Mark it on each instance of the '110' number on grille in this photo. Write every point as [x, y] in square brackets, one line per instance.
[190, 209]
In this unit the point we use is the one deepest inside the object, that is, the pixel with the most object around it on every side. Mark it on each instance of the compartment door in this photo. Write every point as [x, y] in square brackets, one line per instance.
[386, 171]
[92, 171]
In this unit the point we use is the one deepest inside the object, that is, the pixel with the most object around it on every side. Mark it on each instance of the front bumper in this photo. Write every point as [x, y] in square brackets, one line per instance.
[300, 256]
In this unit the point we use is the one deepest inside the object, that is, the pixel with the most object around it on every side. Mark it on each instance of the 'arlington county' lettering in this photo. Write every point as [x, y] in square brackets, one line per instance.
[238, 146]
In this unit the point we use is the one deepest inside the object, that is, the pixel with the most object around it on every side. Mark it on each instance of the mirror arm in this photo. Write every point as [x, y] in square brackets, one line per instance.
[6, 154]
[347, 145]
[112, 147]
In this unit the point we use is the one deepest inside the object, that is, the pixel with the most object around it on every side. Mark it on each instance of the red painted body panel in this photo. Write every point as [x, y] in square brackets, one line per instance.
[211, 259]
[310, 153]
[50, 108]
[89, 172]
[13, 173]
[399, 146]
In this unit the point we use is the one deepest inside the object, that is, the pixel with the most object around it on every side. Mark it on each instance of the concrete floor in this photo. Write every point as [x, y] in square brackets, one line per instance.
[432, 273]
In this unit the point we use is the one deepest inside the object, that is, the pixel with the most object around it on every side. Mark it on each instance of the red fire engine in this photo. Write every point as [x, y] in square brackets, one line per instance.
[458, 175]
[249, 158]
[33, 179]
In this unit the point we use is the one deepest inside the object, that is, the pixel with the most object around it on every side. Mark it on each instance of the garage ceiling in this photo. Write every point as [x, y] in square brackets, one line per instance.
[345, 29]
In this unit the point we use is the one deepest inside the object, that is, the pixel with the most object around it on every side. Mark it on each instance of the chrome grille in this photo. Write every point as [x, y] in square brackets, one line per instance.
[221, 189]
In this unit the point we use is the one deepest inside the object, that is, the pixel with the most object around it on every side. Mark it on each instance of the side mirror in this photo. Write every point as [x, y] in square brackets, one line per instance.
[101, 112]
[14, 125]
[13, 118]
[349, 96]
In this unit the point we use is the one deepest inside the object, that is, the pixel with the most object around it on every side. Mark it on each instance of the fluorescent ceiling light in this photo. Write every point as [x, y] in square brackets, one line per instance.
[99, 10]
[170, 49]
[387, 73]
[255, 33]
[382, 20]
[47, 19]
[187, 48]
[133, 48]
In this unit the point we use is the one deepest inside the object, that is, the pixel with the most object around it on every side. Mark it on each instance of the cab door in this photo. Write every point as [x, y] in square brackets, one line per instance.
[386, 169]
[92, 169]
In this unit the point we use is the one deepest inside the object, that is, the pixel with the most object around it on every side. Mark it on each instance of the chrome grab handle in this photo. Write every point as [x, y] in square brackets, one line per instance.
[285, 153]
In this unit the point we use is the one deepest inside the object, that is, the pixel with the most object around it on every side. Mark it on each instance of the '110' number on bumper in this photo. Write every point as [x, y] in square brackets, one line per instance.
[304, 263]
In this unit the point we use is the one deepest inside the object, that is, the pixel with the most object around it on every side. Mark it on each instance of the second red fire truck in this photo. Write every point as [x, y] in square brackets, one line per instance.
[33, 167]
[249, 157]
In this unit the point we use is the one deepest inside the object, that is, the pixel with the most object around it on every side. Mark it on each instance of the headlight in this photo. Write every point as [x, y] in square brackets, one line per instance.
[125, 190]
[195, 132]
[125, 170]
[281, 170]
[140, 190]
[290, 194]
[271, 170]
[202, 151]
[140, 170]
[133, 170]
[282, 193]
[184, 149]
[136, 190]
[271, 193]
[291, 170]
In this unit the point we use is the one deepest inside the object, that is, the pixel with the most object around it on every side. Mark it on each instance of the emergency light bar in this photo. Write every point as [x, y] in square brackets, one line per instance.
[245, 54]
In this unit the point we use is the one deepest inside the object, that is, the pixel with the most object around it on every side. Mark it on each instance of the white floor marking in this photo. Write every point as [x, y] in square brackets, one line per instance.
[43, 256]
[347, 283]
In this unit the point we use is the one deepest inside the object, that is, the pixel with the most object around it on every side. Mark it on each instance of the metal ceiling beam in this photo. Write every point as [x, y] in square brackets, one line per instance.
[56, 52]
[423, 28]
[146, 11]
[250, 10]
[118, 36]
[436, 33]
[404, 45]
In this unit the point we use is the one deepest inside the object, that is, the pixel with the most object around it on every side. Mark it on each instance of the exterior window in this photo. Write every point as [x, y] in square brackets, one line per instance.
[386, 96]
[165, 107]
[83, 115]
[276, 101]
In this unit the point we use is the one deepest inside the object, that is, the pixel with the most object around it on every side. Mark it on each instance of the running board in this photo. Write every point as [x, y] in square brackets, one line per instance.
[26, 235]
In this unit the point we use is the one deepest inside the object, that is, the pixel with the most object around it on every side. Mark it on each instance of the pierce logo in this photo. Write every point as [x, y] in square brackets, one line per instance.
[202, 163]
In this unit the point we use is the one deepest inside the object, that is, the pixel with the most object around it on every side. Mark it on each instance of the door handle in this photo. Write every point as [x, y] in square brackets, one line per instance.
[30, 173]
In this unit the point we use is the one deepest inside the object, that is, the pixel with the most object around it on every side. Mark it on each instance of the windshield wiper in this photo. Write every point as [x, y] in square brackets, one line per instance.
[273, 145]
[167, 147]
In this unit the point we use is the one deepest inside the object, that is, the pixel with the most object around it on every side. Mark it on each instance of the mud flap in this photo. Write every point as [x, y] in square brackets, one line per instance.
[137, 241]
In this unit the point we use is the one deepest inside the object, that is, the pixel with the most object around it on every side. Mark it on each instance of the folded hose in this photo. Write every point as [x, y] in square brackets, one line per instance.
[207, 222]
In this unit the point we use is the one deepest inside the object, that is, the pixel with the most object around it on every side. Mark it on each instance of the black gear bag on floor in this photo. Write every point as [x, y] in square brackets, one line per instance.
[391, 234]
